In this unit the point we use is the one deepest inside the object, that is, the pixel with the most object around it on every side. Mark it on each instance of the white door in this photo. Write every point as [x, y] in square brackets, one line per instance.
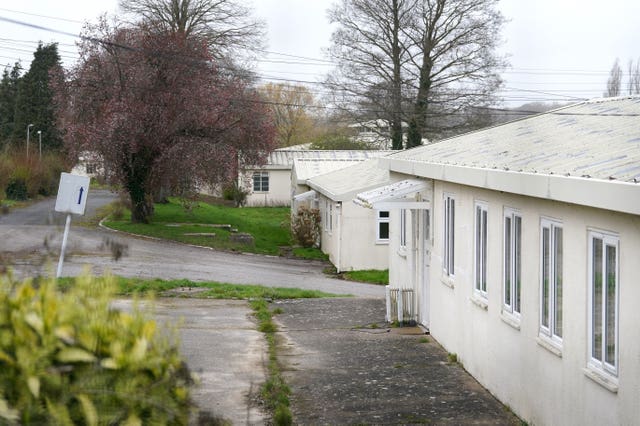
[424, 265]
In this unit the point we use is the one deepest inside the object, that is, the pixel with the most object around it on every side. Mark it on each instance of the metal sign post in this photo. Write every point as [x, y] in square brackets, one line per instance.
[72, 199]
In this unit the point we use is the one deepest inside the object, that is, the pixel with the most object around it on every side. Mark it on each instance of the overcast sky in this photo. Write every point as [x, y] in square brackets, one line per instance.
[558, 49]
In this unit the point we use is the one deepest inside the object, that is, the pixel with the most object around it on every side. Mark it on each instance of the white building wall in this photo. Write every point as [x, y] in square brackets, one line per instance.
[279, 193]
[542, 387]
[350, 242]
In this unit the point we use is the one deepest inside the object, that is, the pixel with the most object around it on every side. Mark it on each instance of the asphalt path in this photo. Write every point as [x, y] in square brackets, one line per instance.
[30, 241]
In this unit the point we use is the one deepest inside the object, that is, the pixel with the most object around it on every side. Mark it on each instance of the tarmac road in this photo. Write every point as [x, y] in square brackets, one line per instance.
[31, 237]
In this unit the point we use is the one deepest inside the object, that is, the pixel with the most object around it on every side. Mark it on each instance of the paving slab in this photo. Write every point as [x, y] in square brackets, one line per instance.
[344, 367]
[221, 345]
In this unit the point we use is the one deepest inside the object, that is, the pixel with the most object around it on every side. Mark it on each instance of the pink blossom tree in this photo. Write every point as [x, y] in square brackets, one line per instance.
[160, 111]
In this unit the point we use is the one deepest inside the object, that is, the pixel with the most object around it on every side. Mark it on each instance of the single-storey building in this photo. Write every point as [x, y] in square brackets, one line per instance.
[270, 184]
[353, 237]
[518, 247]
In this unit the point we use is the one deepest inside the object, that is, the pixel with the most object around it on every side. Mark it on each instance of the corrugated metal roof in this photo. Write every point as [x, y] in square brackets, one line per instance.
[597, 139]
[344, 184]
[283, 158]
[306, 168]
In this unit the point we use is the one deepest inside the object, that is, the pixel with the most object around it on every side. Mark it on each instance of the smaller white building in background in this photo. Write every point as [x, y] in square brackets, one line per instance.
[270, 184]
[354, 238]
[520, 247]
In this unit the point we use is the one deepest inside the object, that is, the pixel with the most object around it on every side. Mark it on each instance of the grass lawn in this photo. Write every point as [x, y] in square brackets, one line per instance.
[269, 226]
[210, 289]
[368, 276]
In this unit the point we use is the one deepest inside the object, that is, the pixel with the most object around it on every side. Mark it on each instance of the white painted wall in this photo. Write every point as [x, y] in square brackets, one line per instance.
[279, 193]
[540, 386]
[351, 244]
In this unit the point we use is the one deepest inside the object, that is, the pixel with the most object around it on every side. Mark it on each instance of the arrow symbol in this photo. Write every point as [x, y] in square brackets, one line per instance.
[80, 197]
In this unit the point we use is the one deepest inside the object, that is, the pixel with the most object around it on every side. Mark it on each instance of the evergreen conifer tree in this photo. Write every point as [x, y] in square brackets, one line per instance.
[34, 104]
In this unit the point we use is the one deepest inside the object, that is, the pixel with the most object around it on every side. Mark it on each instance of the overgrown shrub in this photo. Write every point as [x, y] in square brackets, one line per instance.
[305, 226]
[22, 178]
[236, 193]
[70, 358]
[16, 189]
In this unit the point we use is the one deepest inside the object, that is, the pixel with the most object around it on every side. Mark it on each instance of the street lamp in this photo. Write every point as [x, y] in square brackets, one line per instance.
[40, 145]
[28, 128]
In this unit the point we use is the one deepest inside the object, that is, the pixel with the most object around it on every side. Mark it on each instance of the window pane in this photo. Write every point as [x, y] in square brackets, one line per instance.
[517, 261]
[383, 229]
[383, 213]
[545, 276]
[507, 261]
[484, 250]
[610, 308]
[557, 327]
[596, 313]
[452, 221]
[478, 248]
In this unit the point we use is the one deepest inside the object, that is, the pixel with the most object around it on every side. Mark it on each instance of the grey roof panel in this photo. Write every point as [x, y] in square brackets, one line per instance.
[599, 139]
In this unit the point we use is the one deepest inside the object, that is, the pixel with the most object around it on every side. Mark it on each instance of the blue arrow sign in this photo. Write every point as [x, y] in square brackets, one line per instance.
[80, 196]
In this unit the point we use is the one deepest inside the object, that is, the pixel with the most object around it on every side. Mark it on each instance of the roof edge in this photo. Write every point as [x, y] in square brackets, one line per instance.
[609, 195]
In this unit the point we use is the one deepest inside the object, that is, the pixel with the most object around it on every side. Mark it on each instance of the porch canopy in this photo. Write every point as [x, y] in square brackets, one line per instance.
[394, 196]
[305, 196]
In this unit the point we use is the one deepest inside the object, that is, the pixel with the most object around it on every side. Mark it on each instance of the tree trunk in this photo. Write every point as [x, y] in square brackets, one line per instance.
[138, 172]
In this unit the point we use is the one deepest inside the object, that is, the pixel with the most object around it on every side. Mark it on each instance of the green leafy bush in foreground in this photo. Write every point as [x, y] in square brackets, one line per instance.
[70, 358]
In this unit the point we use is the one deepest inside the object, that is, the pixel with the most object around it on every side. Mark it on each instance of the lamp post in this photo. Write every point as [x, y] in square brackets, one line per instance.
[28, 128]
[40, 145]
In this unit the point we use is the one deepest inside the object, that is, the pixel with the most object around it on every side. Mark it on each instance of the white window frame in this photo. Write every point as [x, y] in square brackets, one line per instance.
[551, 302]
[260, 175]
[326, 215]
[603, 365]
[380, 220]
[330, 216]
[448, 234]
[403, 229]
[511, 263]
[480, 245]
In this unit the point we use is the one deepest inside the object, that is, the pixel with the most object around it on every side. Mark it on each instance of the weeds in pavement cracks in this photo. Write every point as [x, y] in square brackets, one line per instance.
[275, 391]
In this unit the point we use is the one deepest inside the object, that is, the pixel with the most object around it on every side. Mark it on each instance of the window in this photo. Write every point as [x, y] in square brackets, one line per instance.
[449, 235]
[512, 261]
[328, 216]
[551, 279]
[403, 228]
[261, 182]
[91, 168]
[480, 248]
[382, 230]
[603, 302]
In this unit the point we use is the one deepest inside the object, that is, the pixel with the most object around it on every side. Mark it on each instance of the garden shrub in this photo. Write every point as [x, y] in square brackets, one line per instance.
[70, 358]
[16, 189]
[305, 226]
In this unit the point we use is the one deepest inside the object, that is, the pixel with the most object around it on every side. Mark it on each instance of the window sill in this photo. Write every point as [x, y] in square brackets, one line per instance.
[601, 378]
[510, 320]
[382, 242]
[479, 301]
[447, 280]
[549, 345]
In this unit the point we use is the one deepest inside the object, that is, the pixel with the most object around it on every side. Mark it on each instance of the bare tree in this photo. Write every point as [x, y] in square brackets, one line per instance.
[369, 47]
[454, 65]
[634, 77]
[227, 25]
[293, 116]
[614, 83]
[425, 62]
